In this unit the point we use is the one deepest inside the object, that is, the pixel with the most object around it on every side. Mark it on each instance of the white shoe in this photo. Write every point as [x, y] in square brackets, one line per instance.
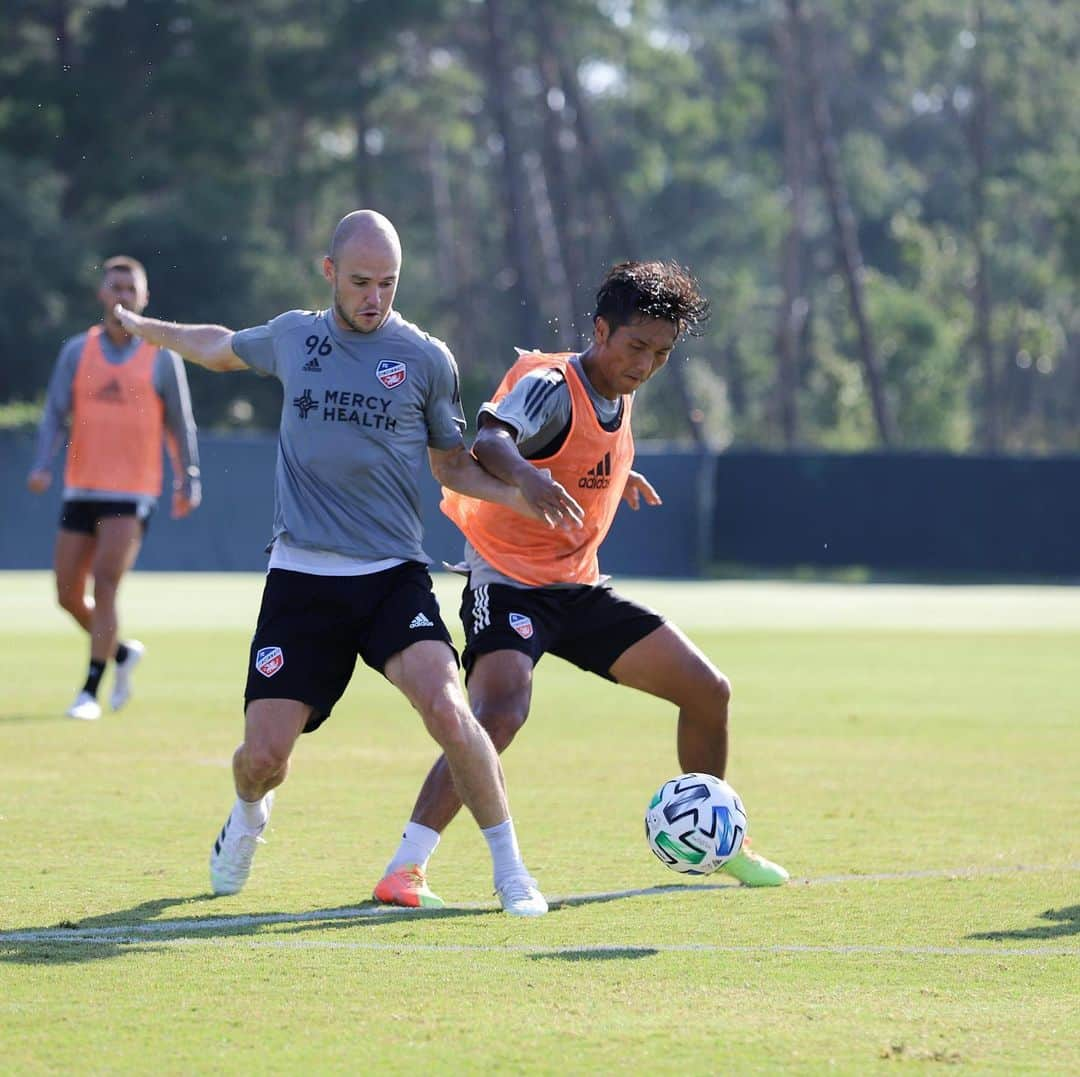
[86, 708]
[231, 856]
[121, 691]
[520, 896]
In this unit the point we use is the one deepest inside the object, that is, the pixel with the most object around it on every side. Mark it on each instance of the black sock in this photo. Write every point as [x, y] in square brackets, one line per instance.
[121, 653]
[93, 679]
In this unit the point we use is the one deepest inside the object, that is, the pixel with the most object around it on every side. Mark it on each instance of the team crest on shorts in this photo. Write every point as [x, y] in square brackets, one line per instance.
[390, 372]
[269, 660]
[522, 625]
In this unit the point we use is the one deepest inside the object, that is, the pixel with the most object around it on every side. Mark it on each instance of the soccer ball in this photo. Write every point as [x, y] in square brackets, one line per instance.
[695, 824]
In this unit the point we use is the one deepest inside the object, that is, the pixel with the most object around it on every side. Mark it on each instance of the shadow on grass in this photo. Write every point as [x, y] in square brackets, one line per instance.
[1060, 922]
[615, 953]
[97, 938]
[44, 718]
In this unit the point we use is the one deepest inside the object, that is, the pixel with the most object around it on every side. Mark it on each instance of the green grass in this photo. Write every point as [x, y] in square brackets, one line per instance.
[909, 753]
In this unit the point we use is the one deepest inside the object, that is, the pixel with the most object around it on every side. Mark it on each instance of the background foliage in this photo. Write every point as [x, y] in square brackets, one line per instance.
[521, 148]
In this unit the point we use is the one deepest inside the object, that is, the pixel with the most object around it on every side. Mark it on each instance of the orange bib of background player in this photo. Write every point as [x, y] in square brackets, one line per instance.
[117, 422]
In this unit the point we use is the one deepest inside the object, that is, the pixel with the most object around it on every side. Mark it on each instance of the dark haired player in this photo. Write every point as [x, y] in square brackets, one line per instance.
[560, 424]
[367, 396]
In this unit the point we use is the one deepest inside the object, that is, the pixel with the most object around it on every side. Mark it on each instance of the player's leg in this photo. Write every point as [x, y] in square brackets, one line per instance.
[271, 729]
[500, 687]
[667, 664]
[299, 664]
[127, 653]
[500, 703]
[116, 545]
[500, 690]
[260, 765]
[634, 646]
[118, 541]
[426, 673]
[72, 558]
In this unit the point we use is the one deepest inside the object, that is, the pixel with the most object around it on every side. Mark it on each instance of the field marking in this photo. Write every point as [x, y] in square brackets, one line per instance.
[585, 950]
[128, 934]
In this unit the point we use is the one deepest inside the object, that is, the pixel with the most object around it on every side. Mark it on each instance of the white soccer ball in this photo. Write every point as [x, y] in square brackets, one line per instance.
[695, 824]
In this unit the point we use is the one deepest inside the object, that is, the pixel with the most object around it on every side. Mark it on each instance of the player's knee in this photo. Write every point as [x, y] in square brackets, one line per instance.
[449, 722]
[722, 690]
[502, 723]
[705, 705]
[69, 599]
[262, 759]
[709, 692]
[106, 582]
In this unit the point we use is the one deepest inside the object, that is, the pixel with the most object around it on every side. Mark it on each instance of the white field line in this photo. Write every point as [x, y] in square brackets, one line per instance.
[588, 949]
[182, 930]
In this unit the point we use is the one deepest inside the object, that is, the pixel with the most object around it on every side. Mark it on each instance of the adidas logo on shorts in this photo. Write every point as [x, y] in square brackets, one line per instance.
[421, 620]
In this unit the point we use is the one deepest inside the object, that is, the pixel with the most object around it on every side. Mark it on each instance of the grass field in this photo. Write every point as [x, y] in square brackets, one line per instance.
[911, 754]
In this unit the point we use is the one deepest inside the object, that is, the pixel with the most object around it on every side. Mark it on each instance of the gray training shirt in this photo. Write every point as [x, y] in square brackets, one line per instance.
[358, 413]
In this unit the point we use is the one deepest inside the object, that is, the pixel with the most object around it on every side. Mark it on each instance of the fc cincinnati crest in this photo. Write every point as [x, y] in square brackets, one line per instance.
[390, 372]
[522, 625]
[269, 660]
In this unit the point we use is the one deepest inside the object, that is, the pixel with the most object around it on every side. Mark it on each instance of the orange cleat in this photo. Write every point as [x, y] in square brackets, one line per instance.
[407, 887]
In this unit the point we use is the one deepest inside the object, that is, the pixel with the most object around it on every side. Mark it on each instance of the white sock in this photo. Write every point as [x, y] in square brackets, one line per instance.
[505, 854]
[417, 844]
[251, 814]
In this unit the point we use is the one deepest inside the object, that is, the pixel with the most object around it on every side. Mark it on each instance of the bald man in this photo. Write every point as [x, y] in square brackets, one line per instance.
[365, 394]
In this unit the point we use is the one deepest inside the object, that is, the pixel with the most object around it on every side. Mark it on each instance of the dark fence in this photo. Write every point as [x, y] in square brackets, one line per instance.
[230, 530]
[910, 513]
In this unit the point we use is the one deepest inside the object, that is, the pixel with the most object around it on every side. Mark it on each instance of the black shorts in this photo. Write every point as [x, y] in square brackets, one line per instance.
[82, 516]
[311, 629]
[589, 626]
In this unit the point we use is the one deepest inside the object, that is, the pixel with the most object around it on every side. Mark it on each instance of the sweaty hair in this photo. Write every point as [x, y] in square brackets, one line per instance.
[666, 290]
[129, 265]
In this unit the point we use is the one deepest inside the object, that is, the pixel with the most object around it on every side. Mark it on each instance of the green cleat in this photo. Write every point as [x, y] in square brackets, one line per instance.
[753, 870]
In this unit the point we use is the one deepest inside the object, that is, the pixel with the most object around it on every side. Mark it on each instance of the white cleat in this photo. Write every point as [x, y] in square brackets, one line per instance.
[520, 896]
[86, 708]
[231, 856]
[121, 692]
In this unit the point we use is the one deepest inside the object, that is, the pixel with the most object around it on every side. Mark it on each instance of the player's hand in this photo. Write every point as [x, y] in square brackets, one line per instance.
[37, 482]
[549, 501]
[638, 487]
[128, 319]
[183, 505]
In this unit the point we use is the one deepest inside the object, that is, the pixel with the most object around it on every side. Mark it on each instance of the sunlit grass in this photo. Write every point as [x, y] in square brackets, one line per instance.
[910, 755]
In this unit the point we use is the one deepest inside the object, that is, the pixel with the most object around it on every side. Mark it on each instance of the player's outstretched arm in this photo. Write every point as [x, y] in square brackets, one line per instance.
[496, 449]
[207, 345]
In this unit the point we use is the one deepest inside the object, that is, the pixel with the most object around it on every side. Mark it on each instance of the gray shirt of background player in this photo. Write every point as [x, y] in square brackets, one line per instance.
[354, 433]
[170, 383]
[538, 408]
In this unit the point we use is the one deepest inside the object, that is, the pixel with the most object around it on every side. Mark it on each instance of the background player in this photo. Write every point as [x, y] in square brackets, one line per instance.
[561, 423]
[123, 396]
